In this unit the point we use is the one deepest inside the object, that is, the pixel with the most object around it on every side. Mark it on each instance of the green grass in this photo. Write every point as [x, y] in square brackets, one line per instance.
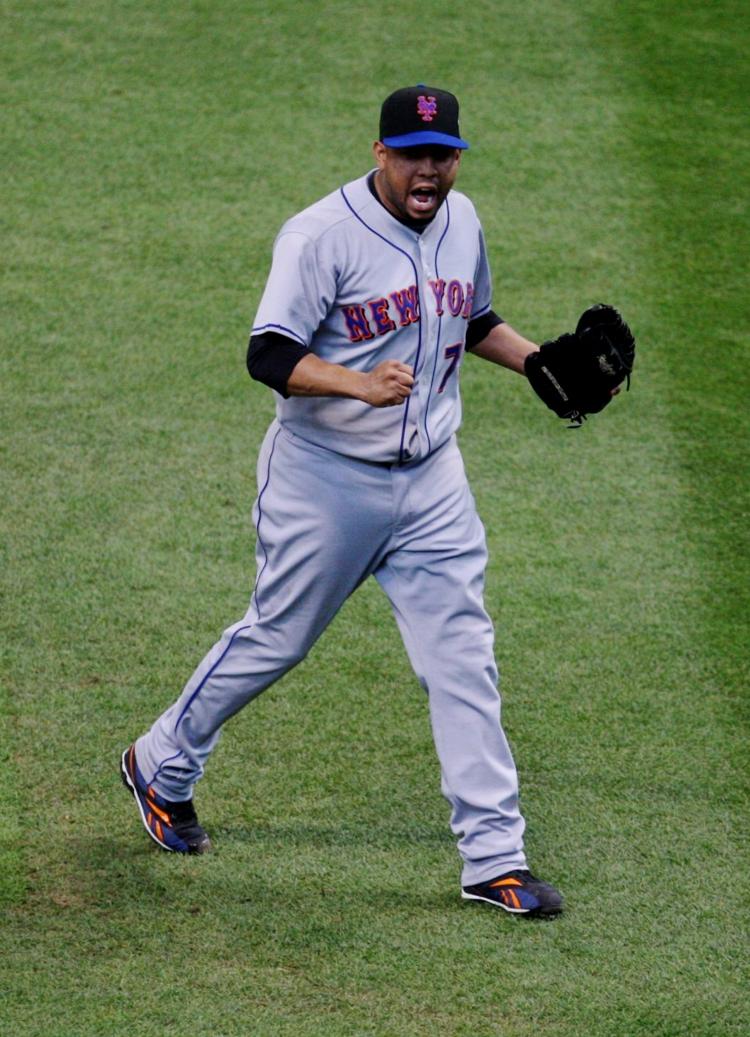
[151, 152]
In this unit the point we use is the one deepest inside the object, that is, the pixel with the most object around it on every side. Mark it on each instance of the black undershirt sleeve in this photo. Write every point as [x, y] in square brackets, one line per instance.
[272, 357]
[480, 327]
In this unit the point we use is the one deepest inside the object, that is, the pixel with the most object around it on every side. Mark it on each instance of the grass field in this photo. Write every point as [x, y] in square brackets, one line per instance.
[151, 152]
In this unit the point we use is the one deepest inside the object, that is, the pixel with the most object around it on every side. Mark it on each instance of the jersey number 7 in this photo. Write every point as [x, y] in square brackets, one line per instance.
[452, 353]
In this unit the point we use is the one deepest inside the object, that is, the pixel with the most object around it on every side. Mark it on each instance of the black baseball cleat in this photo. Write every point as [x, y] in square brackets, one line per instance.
[173, 826]
[519, 893]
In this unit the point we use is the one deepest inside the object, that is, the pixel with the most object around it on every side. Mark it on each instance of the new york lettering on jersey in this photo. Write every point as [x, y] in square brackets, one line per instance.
[400, 308]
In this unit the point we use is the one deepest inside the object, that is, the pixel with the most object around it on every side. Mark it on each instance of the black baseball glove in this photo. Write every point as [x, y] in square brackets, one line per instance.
[576, 373]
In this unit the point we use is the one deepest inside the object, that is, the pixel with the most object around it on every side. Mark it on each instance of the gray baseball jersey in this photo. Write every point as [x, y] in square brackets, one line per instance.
[358, 287]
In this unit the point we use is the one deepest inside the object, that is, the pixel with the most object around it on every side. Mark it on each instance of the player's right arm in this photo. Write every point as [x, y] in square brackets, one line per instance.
[300, 292]
[387, 385]
[293, 370]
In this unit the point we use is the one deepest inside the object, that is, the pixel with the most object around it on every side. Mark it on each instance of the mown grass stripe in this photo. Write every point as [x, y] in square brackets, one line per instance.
[12, 872]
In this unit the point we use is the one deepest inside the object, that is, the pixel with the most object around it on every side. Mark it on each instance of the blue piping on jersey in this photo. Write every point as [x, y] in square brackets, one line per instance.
[481, 313]
[439, 331]
[419, 300]
[264, 327]
[239, 630]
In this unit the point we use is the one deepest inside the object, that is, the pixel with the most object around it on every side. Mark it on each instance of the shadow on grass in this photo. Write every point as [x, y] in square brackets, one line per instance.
[300, 833]
[304, 870]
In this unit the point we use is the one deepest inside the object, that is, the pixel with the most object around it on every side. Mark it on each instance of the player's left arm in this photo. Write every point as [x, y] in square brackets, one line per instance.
[504, 346]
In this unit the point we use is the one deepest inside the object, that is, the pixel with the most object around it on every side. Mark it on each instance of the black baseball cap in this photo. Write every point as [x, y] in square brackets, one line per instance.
[420, 115]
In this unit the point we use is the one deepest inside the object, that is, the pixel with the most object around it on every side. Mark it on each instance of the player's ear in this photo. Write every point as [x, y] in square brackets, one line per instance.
[379, 151]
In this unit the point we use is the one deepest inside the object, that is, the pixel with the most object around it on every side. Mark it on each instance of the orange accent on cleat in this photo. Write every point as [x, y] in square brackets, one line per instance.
[157, 810]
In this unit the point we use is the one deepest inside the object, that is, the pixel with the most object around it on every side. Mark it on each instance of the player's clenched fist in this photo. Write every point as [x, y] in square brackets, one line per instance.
[388, 384]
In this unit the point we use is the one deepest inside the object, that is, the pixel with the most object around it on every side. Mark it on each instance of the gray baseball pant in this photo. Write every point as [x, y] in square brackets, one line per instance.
[325, 522]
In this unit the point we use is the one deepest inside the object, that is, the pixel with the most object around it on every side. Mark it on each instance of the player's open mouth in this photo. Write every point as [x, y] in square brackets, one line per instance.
[424, 198]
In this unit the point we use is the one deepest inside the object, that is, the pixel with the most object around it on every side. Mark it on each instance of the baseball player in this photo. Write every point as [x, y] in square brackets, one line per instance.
[375, 295]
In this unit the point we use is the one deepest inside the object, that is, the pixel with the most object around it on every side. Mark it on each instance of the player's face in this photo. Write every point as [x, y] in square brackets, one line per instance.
[413, 182]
